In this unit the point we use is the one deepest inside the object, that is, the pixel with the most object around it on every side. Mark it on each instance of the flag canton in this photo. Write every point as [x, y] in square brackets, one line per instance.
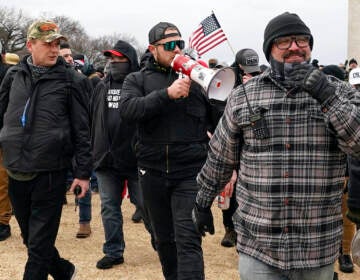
[210, 24]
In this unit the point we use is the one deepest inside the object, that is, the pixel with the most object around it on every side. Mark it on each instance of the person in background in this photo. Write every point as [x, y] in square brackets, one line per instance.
[213, 62]
[246, 66]
[352, 64]
[49, 99]
[353, 202]
[248, 61]
[84, 203]
[354, 78]
[66, 53]
[173, 117]
[354, 168]
[114, 157]
[5, 205]
[84, 66]
[11, 59]
[345, 262]
[315, 63]
[289, 129]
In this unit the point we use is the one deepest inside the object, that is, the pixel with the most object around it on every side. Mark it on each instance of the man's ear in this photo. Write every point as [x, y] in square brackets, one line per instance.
[29, 45]
[153, 50]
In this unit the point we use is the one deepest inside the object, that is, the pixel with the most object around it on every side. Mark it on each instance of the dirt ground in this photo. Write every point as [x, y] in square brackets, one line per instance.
[141, 261]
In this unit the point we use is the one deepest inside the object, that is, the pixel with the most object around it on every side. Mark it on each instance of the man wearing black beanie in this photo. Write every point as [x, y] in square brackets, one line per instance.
[288, 130]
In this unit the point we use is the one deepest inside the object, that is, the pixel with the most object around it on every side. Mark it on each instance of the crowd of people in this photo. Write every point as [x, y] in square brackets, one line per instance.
[284, 146]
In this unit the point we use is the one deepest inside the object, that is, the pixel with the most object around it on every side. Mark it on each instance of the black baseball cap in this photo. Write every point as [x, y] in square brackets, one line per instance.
[249, 60]
[158, 32]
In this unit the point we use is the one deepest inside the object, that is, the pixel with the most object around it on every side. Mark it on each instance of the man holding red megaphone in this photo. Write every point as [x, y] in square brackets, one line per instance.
[173, 116]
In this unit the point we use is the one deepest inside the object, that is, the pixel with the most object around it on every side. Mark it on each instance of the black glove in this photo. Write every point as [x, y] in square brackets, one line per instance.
[353, 214]
[203, 219]
[312, 80]
[295, 73]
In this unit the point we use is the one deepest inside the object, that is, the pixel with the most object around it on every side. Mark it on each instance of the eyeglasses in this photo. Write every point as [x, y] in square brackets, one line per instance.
[283, 43]
[170, 46]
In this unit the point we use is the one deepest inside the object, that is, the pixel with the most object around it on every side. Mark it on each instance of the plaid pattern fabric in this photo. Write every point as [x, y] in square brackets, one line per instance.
[289, 185]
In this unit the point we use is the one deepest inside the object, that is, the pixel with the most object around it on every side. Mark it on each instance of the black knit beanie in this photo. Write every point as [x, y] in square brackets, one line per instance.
[284, 25]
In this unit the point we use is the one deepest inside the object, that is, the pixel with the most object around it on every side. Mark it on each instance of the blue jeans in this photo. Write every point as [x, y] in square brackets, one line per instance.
[111, 186]
[253, 269]
[85, 208]
[84, 202]
[93, 181]
[169, 203]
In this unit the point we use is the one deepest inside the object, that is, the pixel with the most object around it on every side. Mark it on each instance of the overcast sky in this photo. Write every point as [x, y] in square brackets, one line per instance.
[243, 21]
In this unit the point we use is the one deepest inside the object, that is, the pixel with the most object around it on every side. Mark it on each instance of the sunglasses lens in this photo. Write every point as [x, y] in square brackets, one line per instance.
[170, 46]
[180, 44]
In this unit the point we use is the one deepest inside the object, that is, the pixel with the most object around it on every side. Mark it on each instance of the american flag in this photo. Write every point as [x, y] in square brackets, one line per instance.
[208, 35]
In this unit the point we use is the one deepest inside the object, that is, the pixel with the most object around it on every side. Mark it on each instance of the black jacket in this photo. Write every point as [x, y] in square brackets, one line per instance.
[354, 183]
[45, 123]
[114, 152]
[172, 135]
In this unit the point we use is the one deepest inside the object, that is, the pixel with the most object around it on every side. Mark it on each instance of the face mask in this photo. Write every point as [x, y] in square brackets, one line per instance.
[119, 70]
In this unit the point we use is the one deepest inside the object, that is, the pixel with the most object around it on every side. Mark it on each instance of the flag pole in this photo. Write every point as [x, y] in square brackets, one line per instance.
[228, 41]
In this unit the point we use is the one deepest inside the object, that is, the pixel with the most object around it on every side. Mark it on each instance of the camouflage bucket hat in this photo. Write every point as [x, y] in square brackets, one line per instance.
[44, 30]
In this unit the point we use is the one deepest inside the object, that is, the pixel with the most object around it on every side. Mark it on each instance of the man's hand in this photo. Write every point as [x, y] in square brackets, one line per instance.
[229, 187]
[179, 88]
[312, 80]
[203, 219]
[84, 185]
[353, 214]
[246, 78]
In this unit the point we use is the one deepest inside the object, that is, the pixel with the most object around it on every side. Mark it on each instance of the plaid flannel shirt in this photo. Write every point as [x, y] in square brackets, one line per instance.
[289, 185]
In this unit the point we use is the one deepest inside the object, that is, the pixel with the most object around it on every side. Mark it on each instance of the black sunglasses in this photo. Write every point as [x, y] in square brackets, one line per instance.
[170, 46]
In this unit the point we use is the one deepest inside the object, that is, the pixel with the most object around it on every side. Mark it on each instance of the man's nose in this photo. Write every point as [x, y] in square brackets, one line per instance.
[293, 45]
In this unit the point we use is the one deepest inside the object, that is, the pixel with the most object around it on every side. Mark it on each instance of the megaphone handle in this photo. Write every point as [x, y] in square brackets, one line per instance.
[181, 75]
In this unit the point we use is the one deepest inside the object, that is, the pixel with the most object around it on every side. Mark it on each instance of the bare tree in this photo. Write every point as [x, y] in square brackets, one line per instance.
[13, 29]
[14, 25]
[105, 42]
[93, 48]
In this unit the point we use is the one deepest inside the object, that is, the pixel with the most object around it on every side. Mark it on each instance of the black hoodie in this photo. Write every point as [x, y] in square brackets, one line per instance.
[111, 137]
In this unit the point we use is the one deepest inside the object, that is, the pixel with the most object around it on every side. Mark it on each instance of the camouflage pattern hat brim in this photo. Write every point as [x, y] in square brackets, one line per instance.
[44, 30]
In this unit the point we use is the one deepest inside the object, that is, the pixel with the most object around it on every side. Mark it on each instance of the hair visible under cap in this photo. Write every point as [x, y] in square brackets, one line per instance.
[353, 60]
[284, 25]
[158, 32]
[64, 45]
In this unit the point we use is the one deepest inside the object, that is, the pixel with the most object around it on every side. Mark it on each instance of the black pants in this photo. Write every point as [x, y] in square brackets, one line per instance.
[169, 204]
[37, 206]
